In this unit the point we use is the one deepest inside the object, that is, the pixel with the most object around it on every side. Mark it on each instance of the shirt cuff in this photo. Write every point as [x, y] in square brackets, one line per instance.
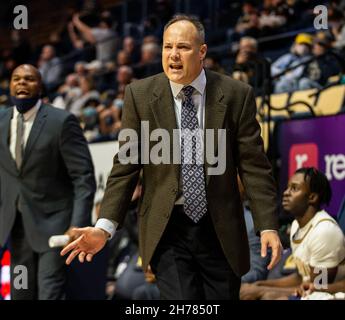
[107, 225]
[268, 230]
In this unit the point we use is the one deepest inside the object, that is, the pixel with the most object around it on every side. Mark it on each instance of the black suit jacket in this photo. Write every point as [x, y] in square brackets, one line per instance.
[229, 105]
[55, 185]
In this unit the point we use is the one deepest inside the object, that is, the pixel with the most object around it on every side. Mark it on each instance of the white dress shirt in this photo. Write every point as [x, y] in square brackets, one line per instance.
[29, 118]
[199, 98]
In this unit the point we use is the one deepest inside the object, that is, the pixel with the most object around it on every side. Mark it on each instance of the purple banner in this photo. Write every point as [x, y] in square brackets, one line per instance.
[318, 142]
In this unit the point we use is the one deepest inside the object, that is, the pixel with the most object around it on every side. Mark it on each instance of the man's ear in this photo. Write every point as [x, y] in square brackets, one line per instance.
[203, 51]
[313, 198]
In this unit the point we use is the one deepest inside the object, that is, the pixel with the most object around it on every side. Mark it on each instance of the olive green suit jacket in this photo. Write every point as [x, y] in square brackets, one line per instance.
[230, 105]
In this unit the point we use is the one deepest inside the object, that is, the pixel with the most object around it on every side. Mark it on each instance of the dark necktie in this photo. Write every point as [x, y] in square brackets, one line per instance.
[20, 140]
[193, 175]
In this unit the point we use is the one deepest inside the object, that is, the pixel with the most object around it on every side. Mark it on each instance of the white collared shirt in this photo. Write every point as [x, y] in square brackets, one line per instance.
[29, 118]
[199, 98]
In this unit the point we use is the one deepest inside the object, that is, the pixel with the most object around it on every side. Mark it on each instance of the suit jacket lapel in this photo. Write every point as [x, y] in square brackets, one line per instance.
[162, 106]
[5, 131]
[35, 131]
[215, 112]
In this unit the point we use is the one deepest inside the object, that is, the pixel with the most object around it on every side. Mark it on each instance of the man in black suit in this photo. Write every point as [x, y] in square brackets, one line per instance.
[47, 185]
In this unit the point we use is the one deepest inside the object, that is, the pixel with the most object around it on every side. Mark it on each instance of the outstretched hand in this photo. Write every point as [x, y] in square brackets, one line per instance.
[89, 241]
[270, 239]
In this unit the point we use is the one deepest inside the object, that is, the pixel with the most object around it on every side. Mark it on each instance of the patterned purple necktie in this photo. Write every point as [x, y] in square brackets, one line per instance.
[193, 175]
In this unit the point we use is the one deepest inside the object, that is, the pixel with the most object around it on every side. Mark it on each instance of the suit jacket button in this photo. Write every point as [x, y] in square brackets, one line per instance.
[174, 190]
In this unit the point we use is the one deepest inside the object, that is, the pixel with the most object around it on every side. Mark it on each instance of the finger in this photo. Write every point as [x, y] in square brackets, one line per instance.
[71, 246]
[81, 256]
[89, 257]
[263, 249]
[273, 262]
[275, 258]
[72, 255]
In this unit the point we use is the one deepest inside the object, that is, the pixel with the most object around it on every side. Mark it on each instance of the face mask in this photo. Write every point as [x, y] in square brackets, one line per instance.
[90, 117]
[109, 121]
[118, 103]
[25, 104]
[301, 49]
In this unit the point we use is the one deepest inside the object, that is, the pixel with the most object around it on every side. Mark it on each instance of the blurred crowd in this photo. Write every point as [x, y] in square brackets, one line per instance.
[86, 66]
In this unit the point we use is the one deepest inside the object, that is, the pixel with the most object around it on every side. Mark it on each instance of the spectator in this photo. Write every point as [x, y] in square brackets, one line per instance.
[124, 76]
[102, 36]
[248, 24]
[129, 46]
[273, 15]
[67, 92]
[109, 123]
[87, 93]
[71, 81]
[77, 42]
[323, 66]
[337, 26]
[89, 121]
[50, 67]
[150, 39]
[248, 67]
[80, 69]
[150, 61]
[149, 53]
[123, 58]
[300, 53]
[316, 240]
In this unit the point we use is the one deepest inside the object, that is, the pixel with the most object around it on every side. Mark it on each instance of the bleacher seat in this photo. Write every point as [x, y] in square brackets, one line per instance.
[331, 101]
[299, 99]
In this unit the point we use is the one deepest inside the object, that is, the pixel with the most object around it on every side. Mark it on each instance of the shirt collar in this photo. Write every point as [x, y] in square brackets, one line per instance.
[199, 84]
[27, 115]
